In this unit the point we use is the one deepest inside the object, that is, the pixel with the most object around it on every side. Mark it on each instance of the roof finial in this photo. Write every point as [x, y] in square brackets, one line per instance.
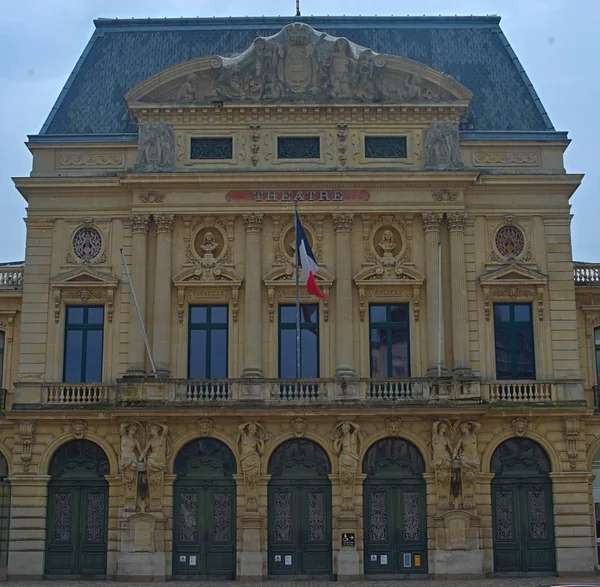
[298, 8]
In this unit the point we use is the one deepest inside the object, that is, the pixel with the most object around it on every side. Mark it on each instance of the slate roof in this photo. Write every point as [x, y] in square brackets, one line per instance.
[123, 53]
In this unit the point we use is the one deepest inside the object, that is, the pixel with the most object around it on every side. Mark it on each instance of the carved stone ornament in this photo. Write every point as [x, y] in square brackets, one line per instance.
[347, 444]
[251, 447]
[520, 426]
[504, 158]
[27, 435]
[154, 455]
[90, 161]
[129, 456]
[432, 221]
[299, 427]
[441, 147]
[301, 64]
[87, 242]
[76, 428]
[152, 197]
[164, 223]
[254, 144]
[444, 195]
[156, 147]
[205, 426]
[571, 432]
[509, 241]
[394, 426]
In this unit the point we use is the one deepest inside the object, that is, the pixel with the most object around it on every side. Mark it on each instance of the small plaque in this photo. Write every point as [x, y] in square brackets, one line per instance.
[182, 558]
[288, 560]
[417, 560]
[373, 558]
[407, 560]
[348, 539]
[192, 561]
[277, 558]
[383, 559]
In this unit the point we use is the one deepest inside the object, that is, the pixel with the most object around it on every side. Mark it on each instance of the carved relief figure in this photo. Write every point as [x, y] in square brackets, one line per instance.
[347, 444]
[156, 147]
[365, 84]
[187, 91]
[441, 147]
[342, 70]
[251, 447]
[465, 451]
[128, 460]
[387, 244]
[209, 244]
[155, 457]
[441, 458]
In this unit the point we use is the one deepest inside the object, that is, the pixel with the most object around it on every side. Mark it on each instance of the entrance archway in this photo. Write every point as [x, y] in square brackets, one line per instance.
[299, 510]
[204, 510]
[523, 523]
[394, 502]
[77, 511]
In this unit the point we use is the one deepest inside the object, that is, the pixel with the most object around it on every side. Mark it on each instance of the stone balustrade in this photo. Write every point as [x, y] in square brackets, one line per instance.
[11, 278]
[586, 274]
[78, 393]
[520, 391]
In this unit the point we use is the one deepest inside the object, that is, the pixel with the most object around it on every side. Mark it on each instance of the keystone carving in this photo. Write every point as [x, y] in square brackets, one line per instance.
[520, 426]
[394, 426]
[205, 426]
[299, 427]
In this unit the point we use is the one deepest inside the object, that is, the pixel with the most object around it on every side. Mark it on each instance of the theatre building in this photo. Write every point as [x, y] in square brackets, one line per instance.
[442, 421]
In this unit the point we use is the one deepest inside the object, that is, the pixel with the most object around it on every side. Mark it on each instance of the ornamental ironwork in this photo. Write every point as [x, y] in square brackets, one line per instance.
[283, 516]
[87, 243]
[385, 147]
[505, 517]
[510, 241]
[412, 515]
[61, 530]
[298, 148]
[316, 516]
[95, 517]
[538, 521]
[222, 517]
[187, 529]
[378, 516]
[211, 148]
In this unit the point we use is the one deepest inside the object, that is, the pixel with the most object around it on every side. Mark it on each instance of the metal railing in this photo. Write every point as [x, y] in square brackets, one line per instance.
[596, 392]
[11, 278]
[586, 274]
[521, 391]
[3, 393]
[78, 393]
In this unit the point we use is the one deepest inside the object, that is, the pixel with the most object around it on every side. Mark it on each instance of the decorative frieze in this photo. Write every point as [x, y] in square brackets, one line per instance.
[90, 161]
[432, 221]
[444, 195]
[504, 158]
[152, 197]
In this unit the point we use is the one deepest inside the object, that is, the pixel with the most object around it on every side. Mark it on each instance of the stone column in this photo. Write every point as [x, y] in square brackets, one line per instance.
[458, 276]
[431, 226]
[342, 225]
[252, 301]
[137, 268]
[161, 347]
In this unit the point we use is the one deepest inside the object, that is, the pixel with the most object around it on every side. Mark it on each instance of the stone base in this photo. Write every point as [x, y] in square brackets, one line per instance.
[348, 566]
[457, 564]
[25, 566]
[251, 566]
[141, 566]
[575, 561]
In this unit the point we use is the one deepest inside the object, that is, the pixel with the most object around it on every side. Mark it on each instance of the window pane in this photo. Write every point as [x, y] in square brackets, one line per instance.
[503, 353]
[597, 336]
[385, 147]
[218, 315]
[525, 355]
[1, 356]
[287, 353]
[95, 315]
[218, 354]
[211, 148]
[288, 314]
[379, 352]
[93, 358]
[598, 365]
[309, 314]
[522, 312]
[400, 359]
[198, 314]
[502, 312]
[309, 353]
[197, 354]
[399, 313]
[378, 314]
[73, 354]
[74, 314]
[298, 148]
[1, 340]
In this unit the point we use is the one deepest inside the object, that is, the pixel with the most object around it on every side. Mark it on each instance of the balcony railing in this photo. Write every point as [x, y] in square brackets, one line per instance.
[520, 391]
[11, 278]
[587, 274]
[78, 393]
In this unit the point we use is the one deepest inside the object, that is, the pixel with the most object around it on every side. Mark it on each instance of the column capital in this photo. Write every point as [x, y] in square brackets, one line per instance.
[164, 223]
[253, 222]
[139, 223]
[342, 222]
[456, 221]
[432, 221]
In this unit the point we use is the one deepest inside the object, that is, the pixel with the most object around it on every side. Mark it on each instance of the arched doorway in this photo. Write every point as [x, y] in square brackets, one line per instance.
[77, 511]
[204, 510]
[299, 516]
[394, 502]
[523, 523]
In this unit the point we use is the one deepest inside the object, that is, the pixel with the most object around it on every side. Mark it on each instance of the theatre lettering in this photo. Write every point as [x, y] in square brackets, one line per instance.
[298, 196]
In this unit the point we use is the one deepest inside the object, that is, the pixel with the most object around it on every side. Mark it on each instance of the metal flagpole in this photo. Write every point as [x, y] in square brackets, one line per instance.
[439, 310]
[138, 313]
[296, 220]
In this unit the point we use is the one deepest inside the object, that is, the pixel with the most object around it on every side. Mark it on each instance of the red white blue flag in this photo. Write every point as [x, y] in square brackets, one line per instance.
[306, 261]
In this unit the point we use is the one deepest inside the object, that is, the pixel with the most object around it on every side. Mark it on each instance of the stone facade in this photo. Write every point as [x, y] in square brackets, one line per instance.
[199, 231]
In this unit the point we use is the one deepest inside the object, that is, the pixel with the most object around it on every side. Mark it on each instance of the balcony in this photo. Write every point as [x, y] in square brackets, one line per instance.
[82, 394]
[11, 278]
[520, 392]
[586, 274]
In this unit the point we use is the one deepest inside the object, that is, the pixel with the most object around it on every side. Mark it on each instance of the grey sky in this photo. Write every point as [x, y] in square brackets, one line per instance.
[555, 40]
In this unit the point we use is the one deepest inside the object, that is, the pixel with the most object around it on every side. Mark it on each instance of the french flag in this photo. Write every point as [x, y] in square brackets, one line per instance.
[306, 261]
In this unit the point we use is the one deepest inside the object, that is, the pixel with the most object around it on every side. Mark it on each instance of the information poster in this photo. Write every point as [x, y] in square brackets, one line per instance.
[384, 559]
[288, 560]
[192, 561]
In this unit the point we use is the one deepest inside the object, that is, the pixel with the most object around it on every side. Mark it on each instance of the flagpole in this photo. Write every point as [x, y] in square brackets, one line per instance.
[297, 292]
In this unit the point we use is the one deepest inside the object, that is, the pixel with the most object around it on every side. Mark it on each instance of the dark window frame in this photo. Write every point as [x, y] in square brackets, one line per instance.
[2, 349]
[374, 138]
[389, 325]
[513, 326]
[283, 139]
[596, 354]
[214, 141]
[303, 326]
[208, 327]
[84, 327]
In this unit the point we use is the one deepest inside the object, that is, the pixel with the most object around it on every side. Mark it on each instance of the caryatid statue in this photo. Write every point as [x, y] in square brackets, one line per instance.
[466, 452]
[347, 445]
[155, 457]
[251, 447]
[128, 460]
[441, 457]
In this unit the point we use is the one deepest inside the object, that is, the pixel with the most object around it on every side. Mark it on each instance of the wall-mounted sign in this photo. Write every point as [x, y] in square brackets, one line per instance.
[348, 539]
[383, 559]
[298, 196]
[288, 560]
[417, 560]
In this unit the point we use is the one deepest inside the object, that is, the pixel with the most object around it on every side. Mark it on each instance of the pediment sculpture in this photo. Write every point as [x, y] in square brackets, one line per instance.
[300, 64]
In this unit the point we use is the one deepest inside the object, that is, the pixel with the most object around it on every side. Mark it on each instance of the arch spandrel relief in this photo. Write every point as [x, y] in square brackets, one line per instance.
[300, 64]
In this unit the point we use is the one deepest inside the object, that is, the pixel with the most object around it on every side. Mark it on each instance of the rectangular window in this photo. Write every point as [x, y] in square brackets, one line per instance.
[1, 355]
[513, 331]
[84, 332]
[207, 347]
[298, 148]
[211, 148]
[385, 147]
[309, 341]
[390, 348]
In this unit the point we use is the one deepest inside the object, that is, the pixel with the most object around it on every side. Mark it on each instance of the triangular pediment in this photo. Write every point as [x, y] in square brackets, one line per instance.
[284, 276]
[513, 274]
[394, 274]
[85, 276]
[198, 275]
[300, 64]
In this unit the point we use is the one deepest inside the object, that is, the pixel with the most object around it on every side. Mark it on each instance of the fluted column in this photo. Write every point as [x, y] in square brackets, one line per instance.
[139, 231]
[252, 302]
[431, 226]
[460, 324]
[342, 225]
[161, 347]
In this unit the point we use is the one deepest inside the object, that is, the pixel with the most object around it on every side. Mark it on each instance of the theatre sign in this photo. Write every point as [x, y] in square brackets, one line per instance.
[298, 196]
